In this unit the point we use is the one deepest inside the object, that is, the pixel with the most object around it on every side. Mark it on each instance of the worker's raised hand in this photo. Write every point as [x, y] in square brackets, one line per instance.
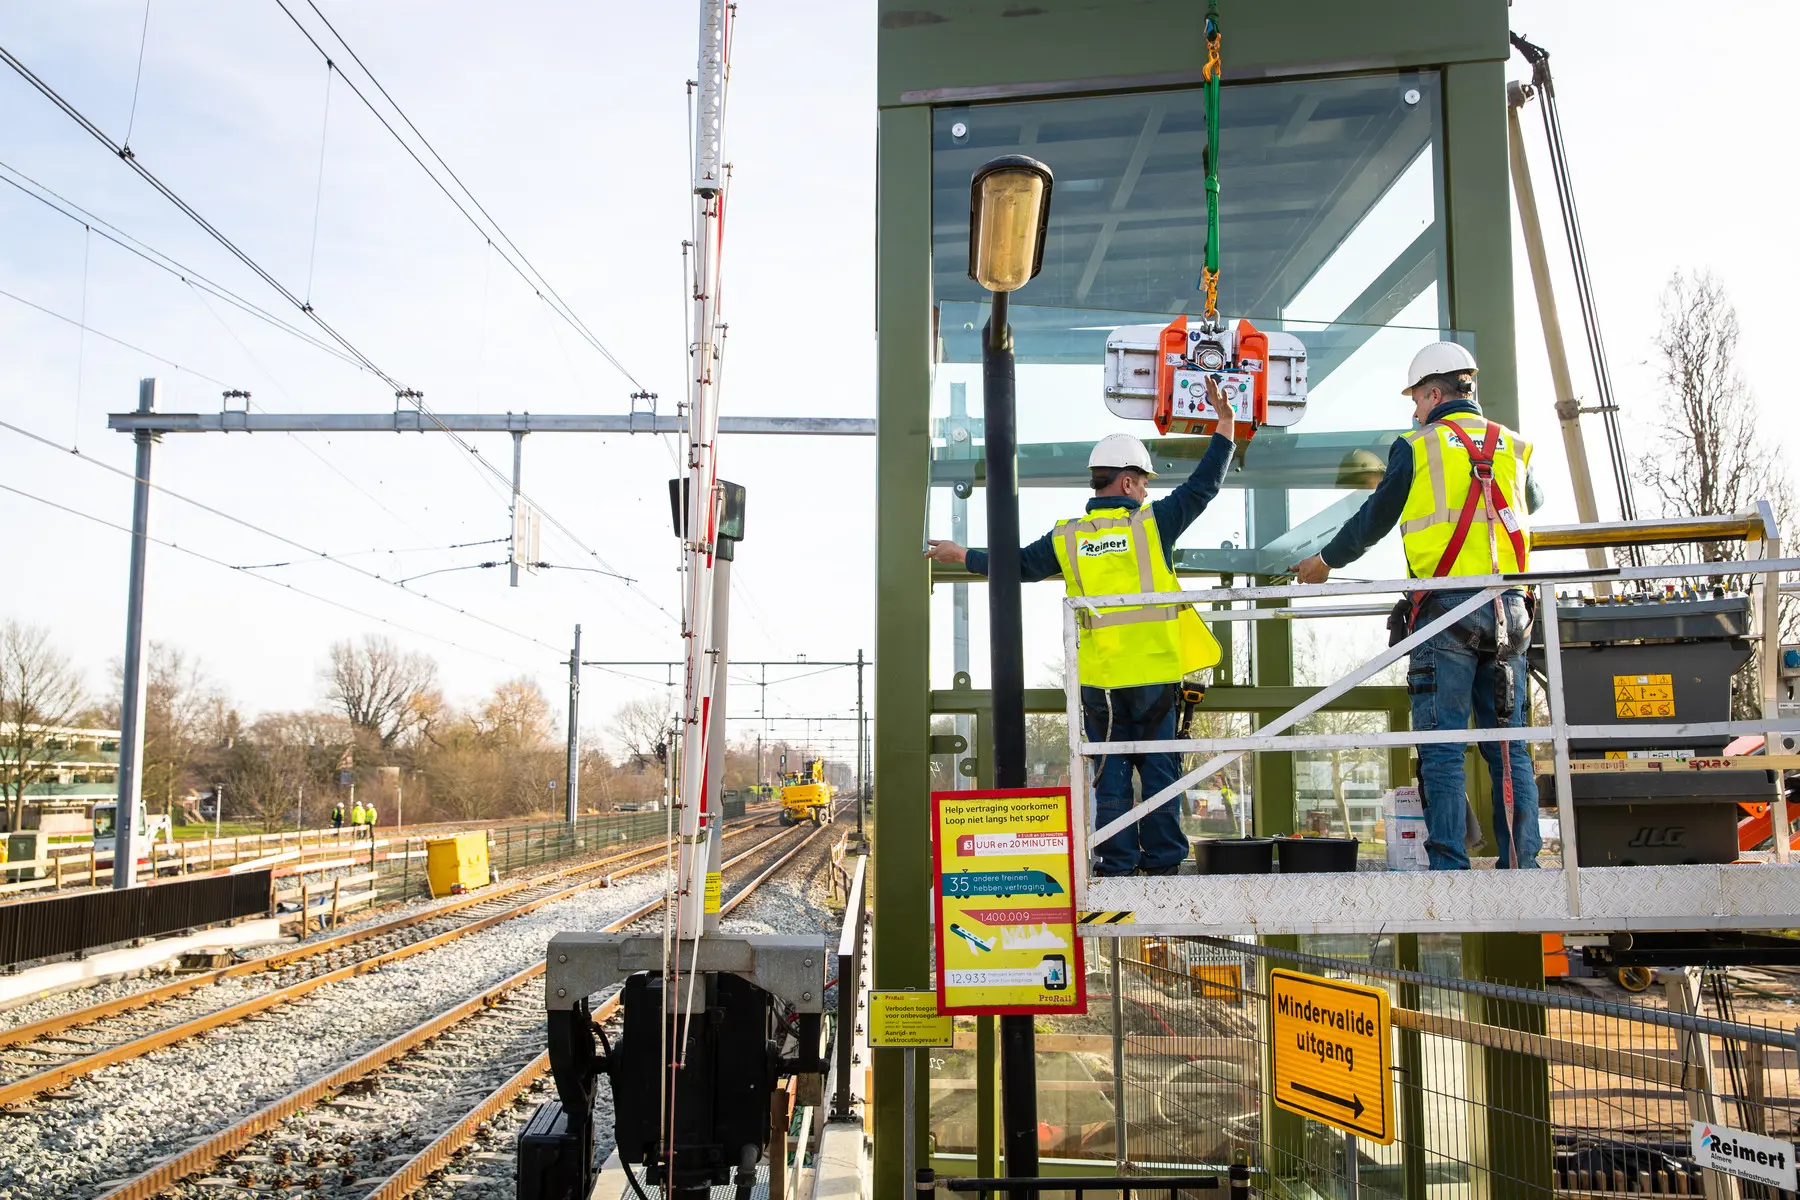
[1313, 570]
[1227, 419]
[946, 552]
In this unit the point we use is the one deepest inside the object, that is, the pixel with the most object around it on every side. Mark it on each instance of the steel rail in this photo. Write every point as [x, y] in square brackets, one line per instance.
[43, 1081]
[414, 1172]
[743, 893]
[51, 1026]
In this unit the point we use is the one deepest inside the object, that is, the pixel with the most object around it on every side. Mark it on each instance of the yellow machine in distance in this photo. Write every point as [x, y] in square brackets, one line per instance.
[805, 796]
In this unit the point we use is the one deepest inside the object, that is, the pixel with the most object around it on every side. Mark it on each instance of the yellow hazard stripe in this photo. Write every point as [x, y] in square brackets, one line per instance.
[1103, 917]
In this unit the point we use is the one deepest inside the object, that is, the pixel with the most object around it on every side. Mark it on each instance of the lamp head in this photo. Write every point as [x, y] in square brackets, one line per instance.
[1009, 214]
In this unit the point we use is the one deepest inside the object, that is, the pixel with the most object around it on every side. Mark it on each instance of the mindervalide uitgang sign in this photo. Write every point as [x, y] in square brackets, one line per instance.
[1332, 1051]
[1004, 871]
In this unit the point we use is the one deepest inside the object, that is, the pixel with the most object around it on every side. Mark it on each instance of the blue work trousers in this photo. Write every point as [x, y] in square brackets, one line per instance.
[1130, 714]
[1457, 674]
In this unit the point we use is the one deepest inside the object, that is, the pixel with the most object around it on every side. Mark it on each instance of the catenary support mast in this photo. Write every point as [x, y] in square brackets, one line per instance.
[701, 521]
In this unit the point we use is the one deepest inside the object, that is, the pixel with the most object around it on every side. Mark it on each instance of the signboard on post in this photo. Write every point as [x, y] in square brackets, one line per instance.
[908, 1021]
[1744, 1154]
[1332, 1050]
[1003, 865]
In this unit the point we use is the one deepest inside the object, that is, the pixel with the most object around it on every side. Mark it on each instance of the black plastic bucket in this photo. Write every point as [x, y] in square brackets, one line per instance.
[1235, 856]
[1303, 855]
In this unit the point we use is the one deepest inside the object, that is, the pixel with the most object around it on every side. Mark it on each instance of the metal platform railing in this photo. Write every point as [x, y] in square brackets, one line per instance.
[1601, 898]
[1498, 1090]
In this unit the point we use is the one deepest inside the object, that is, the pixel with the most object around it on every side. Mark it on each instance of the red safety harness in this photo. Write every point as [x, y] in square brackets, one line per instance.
[1485, 490]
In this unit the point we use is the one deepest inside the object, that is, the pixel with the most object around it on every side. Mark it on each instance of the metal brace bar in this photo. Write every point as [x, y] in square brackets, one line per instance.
[1301, 711]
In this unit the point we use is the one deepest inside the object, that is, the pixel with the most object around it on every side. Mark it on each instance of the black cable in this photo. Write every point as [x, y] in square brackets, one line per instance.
[269, 533]
[63, 206]
[262, 273]
[188, 210]
[446, 570]
[549, 566]
[1539, 58]
[219, 562]
[539, 284]
[109, 337]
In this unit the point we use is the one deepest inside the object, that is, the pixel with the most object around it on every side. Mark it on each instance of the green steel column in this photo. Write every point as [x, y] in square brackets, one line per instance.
[1513, 1140]
[1509, 1092]
[1409, 1091]
[1272, 665]
[902, 688]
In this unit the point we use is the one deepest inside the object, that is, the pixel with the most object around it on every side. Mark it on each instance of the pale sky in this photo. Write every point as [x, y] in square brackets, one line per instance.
[568, 121]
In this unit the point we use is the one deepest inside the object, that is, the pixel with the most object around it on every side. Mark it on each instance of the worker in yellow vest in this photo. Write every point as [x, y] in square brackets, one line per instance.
[357, 816]
[369, 818]
[1132, 658]
[1459, 486]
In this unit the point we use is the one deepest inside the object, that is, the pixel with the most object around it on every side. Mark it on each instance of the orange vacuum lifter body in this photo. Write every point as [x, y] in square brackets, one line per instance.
[1159, 374]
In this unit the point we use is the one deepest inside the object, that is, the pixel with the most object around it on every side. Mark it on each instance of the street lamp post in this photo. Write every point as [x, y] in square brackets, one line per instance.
[1009, 213]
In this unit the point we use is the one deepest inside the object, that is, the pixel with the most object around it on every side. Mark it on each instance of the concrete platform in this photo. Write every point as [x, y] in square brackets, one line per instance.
[51, 978]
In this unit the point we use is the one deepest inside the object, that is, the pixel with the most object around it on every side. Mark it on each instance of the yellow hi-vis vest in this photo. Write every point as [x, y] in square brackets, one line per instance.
[1442, 477]
[1115, 551]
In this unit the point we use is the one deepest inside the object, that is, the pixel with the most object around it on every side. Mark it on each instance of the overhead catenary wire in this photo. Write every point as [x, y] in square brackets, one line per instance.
[294, 437]
[282, 538]
[131, 160]
[523, 268]
[137, 81]
[117, 341]
[59, 203]
[219, 562]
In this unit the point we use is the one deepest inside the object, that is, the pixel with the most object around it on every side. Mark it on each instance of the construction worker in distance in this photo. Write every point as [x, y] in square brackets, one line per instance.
[369, 818]
[337, 815]
[356, 819]
[1460, 512]
[1132, 659]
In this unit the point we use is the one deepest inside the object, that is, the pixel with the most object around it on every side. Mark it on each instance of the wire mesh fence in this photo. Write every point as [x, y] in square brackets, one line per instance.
[1496, 1090]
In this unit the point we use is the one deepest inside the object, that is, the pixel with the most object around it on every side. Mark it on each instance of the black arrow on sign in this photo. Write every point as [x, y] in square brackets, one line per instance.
[1354, 1103]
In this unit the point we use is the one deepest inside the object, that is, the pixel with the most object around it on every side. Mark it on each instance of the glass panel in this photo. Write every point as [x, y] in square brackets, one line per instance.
[1331, 230]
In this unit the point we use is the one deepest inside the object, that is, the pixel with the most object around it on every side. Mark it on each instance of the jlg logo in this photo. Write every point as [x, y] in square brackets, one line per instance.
[1653, 836]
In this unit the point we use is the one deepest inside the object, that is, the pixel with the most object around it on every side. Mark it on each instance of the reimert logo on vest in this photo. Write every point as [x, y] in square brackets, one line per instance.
[1112, 543]
[1480, 440]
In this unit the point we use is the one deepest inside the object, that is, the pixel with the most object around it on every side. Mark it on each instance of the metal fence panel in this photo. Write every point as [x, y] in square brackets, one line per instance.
[60, 925]
[1500, 1091]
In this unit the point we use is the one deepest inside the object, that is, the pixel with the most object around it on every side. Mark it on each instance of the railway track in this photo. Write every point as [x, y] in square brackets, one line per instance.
[305, 1141]
[51, 1053]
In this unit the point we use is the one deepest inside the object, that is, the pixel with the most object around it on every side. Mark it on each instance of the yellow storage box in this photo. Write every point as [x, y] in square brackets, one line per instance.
[460, 859]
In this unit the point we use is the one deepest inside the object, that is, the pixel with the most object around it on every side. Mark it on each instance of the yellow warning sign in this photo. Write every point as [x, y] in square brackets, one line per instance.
[714, 882]
[1644, 695]
[1332, 1053]
[908, 1019]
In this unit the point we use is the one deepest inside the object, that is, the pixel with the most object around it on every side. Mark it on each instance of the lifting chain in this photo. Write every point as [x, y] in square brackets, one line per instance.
[1209, 76]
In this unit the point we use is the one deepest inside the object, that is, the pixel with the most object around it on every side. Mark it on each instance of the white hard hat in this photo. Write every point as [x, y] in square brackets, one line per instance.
[1121, 450]
[1439, 358]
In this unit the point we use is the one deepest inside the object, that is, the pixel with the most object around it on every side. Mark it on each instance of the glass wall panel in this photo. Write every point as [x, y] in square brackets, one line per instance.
[1331, 229]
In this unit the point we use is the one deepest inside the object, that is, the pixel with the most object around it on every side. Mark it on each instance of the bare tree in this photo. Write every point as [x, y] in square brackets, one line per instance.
[640, 725]
[185, 716]
[380, 687]
[516, 715]
[1713, 453]
[39, 691]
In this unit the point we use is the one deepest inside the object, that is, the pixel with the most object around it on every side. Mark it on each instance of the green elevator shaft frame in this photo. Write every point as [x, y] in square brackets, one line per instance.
[934, 52]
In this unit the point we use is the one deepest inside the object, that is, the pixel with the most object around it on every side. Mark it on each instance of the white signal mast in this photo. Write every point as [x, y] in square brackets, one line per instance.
[703, 668]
